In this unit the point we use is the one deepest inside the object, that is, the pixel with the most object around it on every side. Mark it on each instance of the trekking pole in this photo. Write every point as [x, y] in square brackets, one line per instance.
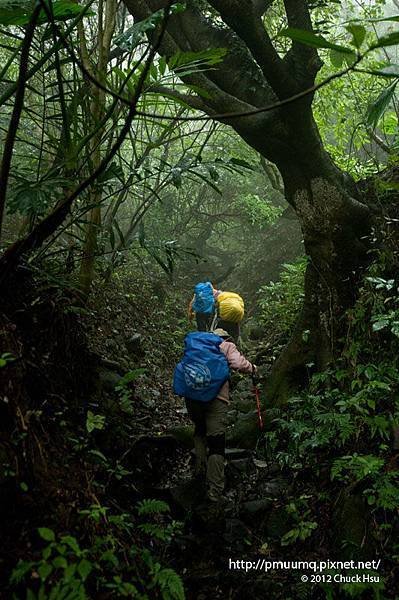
[257, 396]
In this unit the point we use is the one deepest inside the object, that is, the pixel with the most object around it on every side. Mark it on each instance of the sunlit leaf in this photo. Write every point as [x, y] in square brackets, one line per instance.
[358, 33]
[392, 39]
[129, 39]
[19, 13]
[377, 108]
[210, 57]
[311, 39]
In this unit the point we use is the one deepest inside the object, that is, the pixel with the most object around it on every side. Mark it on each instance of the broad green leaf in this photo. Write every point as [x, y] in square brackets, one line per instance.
[44, 571]
[389, 71]
[358, 33]
[311, 39]
[389, 124]
[240, 162]
[337, 58]
[20, 15]
[46, 534]
[209, 57]
[84, 568]
[72, 543]
[392, 39]
[377, 108]
[378, 325]
[381, 19]
[94, 421]
[129, 39]
[60, 562]
[114, 171]
[22, 568]
[129, 377]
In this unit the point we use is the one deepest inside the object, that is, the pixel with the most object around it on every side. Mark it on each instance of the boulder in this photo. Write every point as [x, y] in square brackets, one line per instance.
[274, 488]
[240, 465]
[245, 431]
[254, 510]
[134, 345]
[108, 379]
[184, 434]
[277, 523]
[235, 453]
[189, 493]
[350, 526]
[236, 533]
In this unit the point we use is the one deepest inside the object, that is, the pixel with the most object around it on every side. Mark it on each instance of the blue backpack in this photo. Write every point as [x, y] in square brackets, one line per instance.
[204, 302]
[203, 369]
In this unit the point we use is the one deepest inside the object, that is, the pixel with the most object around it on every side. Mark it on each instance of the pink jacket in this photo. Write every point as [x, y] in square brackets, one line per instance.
[236, 361]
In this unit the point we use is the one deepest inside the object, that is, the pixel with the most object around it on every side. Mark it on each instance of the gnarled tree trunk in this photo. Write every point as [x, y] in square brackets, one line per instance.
[333, 219]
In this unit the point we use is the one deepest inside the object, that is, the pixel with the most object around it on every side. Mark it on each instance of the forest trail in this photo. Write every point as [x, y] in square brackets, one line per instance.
[147, 148]
[256, 492]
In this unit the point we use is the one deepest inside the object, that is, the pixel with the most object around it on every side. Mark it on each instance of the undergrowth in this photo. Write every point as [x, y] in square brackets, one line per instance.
[340, 438]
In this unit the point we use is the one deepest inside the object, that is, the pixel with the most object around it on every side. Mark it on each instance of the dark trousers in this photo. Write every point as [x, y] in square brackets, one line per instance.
[233, 329]
[210, 420]
[204, 321]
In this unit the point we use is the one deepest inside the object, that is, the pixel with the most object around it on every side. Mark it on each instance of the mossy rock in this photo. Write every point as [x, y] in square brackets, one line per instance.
[244, 405]
[184, 434]
[245, 431]
[277, 523]
[350, 526]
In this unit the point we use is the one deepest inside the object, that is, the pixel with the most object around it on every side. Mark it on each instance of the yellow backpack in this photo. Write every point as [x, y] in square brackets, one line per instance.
[230, 307]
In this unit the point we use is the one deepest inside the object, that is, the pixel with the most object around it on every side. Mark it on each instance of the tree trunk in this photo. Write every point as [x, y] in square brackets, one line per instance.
[336, 244]
[335, 225]
[106, 27]
[254, 75]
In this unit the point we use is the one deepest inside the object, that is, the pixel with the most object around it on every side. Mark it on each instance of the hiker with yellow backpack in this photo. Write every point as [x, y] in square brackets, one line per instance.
[229, 313]
[216, 309]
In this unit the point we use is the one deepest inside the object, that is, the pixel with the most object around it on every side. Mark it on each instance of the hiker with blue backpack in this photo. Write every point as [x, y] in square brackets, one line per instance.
[202, 378]
[216, 309]
[203, 305]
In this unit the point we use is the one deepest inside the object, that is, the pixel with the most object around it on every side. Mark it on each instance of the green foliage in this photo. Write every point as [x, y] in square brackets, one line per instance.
[356, 467]
[6, 358]
[136, 34]
[315, 41]
[19, 12]
[349, 136]
[66, 569]
[378, 106]
[33, 198]
[150, 507]
[124, 390]
[170, 584]
[357, 33]
[342, 427]
[259, 211]
[279, 302]
[299, 512]
[94, 421]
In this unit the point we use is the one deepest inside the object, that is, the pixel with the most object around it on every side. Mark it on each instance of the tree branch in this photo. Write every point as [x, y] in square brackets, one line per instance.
[49, 224]
[240, 16]
[193, 101]
[17, 110]
[304, 60]
[238, 79]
